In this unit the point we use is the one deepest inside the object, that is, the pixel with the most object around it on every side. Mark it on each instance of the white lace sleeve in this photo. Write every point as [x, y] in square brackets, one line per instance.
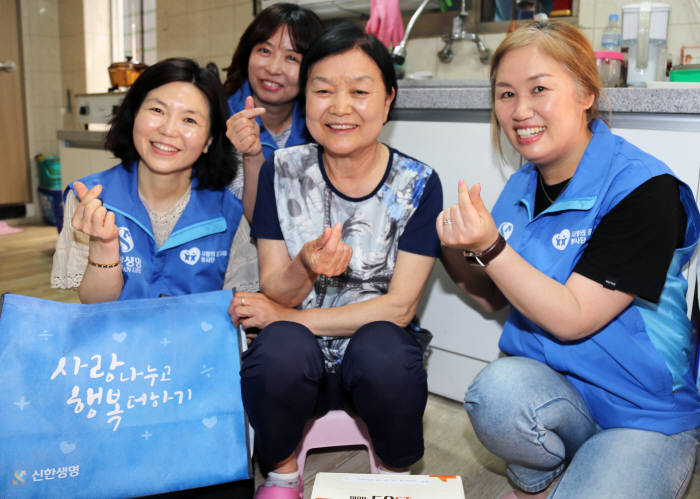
[242, 271]
[70, 258]
[236, 187]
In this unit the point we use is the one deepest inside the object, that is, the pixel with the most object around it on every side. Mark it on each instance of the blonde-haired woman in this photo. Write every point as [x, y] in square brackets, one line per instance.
[586, 242]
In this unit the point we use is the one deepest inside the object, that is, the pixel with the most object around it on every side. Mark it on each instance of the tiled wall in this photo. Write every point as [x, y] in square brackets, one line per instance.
[72, 42]
[684, 29]
[98, 45]
[42, 77]
[207, 31]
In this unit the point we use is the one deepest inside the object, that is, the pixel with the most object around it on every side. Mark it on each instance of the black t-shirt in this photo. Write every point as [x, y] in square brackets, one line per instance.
[632, 246]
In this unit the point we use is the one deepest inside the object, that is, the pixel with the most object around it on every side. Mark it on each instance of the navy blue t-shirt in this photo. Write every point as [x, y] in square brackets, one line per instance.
[419, 235]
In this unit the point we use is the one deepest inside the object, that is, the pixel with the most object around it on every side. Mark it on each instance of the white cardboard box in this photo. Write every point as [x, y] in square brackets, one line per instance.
[360, 486]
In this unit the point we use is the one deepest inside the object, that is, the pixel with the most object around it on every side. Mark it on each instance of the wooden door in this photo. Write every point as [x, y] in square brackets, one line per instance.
[14, 178]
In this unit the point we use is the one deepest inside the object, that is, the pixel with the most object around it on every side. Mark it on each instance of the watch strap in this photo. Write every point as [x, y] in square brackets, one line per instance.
[483, 258]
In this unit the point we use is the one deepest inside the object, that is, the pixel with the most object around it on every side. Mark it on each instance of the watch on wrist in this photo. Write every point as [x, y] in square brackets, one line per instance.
[483, 258]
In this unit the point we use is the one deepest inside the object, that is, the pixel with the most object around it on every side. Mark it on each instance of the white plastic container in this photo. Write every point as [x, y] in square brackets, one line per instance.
[644, 33]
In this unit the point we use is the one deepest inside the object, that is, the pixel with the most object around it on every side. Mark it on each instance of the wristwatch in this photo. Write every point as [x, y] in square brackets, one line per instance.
[483, 258]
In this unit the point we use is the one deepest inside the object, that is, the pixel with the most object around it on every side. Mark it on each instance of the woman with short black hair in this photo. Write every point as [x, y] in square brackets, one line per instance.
[163, 221]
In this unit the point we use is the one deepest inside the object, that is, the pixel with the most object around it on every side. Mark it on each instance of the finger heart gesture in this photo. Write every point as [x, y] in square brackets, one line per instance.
[467, 225]
[243, 131]
[328, 254]
[91, 217]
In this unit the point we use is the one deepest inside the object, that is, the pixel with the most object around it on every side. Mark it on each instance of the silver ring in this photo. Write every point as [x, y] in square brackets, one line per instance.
[242, 301]
[446, 221]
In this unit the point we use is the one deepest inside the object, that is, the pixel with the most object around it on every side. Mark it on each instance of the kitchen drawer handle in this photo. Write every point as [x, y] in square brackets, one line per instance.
[8, 66]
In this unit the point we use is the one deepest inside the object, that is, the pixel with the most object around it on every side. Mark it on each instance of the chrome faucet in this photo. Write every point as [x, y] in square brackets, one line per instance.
[399, 53]
[458, 33]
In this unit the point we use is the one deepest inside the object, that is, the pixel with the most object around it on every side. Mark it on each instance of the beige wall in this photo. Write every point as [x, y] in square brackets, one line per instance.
[72, 42]
[684, 29]
[60, 56]
[42, 78]
[205, 31]
[85, 49]
[98, 44]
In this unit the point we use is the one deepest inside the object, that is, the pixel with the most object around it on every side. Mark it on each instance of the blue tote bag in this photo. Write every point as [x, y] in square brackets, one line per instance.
[119, 399]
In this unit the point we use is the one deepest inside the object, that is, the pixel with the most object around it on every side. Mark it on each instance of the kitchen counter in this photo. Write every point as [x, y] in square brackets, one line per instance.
[468, 100]
[473, 95]
[82, 152]
[88, 139]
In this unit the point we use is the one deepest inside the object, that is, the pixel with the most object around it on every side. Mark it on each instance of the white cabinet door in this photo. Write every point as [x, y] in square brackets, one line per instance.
[465, 339]
[678, 149]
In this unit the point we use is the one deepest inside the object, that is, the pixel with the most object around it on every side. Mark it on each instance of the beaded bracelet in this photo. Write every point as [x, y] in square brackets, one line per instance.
[103, 265]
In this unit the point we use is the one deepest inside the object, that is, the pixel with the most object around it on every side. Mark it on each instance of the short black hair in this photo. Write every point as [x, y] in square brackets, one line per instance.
[214, 169]
[304, 27]
[341, 38]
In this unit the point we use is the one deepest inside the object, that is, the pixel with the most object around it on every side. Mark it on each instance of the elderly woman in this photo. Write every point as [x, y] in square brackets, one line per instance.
[586, 243]
[338, 309]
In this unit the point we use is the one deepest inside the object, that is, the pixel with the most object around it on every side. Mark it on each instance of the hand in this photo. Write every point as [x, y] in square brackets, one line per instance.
[254, 310]
[385, 21]
[471, 226]
[91, 217]
[243, 131]
[328, 255]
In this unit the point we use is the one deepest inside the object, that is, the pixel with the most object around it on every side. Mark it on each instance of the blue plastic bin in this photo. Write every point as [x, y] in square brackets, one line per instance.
[51, 202]
[49, 171]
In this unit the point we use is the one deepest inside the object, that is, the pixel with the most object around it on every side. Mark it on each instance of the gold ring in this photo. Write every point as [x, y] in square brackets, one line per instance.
[447, 221]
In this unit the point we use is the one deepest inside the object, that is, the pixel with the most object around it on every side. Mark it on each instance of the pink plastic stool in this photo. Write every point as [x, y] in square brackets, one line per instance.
[334, 429]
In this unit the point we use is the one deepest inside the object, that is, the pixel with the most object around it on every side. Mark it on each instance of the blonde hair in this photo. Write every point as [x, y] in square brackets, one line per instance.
[562, 42]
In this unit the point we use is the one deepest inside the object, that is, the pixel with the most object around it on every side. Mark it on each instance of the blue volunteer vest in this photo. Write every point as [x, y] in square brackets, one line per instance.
[195, 256]
[636, 371]
[297, 136]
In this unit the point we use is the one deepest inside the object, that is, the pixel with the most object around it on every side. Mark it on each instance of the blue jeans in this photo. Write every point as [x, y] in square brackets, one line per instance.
[532, 417]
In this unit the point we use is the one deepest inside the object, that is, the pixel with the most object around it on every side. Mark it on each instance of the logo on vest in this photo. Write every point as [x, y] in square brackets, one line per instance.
[506, 229]
[561, 239]
[126, 242]
[190, 256]
[132, 264]
[568, 237]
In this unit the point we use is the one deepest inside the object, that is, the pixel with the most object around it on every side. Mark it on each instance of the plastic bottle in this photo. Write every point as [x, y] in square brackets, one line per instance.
[612, 34]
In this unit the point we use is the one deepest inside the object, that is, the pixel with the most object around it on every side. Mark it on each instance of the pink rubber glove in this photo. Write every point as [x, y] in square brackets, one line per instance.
[385, 22]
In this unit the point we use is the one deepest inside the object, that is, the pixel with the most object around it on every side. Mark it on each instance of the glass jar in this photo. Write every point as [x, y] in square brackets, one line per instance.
[609, 67]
